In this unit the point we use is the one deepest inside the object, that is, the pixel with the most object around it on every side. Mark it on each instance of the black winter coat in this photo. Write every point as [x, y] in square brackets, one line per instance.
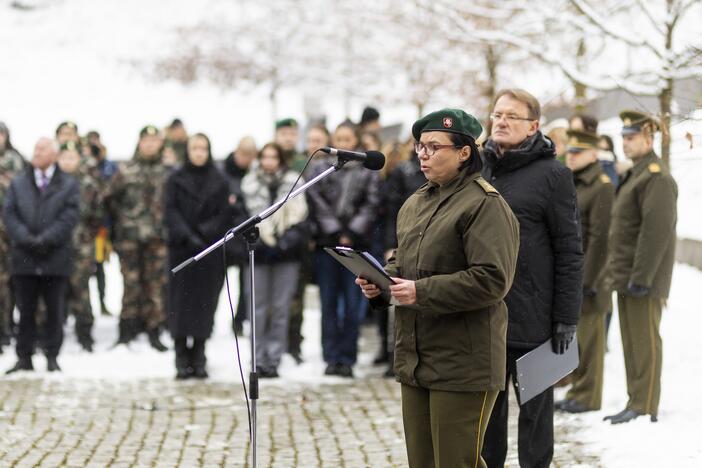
[402, 182]
[345, 203]
[48, 217]
[236, 249]
[547, 287]
[197, 214]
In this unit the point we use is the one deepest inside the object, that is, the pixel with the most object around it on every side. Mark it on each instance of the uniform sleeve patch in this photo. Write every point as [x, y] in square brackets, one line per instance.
[489, 189]
[654, 168]
[604, 178]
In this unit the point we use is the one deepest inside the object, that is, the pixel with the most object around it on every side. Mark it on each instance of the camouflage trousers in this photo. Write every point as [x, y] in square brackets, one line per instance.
[7, 297]
[78, 295]
[143, 266]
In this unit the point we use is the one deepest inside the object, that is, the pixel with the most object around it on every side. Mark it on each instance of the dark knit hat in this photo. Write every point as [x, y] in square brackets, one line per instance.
[579, 141]
[448, 120]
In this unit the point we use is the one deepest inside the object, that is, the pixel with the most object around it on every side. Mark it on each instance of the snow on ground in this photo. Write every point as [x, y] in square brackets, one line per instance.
[675, 439]
[140, 361]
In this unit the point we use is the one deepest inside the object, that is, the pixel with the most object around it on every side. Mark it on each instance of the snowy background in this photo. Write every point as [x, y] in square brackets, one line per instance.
[83, 60]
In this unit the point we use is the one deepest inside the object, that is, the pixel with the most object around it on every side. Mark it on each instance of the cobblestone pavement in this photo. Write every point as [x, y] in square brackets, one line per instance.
[51, 422]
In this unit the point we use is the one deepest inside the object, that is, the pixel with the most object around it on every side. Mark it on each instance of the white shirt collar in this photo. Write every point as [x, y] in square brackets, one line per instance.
[49, 173]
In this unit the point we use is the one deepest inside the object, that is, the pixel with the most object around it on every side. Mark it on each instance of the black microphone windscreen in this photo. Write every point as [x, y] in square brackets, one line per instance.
[375, 160]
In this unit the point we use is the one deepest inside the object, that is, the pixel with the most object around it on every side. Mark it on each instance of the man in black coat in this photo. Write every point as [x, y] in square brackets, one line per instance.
[40, 212]
[544, 302]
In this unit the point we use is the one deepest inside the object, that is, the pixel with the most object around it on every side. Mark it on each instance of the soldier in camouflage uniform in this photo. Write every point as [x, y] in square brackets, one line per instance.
[91, 215]
[135, 201]
[11, 163]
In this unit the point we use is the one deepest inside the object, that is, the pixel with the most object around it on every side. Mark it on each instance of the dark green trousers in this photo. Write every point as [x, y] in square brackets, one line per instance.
[445, 429]
[640, 320]
[588, 377]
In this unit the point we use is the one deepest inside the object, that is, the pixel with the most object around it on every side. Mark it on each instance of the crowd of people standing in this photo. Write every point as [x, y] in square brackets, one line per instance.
[571, 233]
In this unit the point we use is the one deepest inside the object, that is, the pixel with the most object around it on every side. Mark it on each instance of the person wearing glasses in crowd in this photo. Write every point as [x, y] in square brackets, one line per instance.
[457, 244]
[545, 300]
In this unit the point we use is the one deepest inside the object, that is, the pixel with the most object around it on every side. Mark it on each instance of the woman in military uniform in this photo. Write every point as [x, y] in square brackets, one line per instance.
[456, 256]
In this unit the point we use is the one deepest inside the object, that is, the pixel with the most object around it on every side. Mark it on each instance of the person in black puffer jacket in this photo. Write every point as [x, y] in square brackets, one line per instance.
[546, 295]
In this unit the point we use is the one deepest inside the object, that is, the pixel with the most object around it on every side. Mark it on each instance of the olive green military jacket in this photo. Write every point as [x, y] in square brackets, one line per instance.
[595, 199]
[642, 233]
[459, 243]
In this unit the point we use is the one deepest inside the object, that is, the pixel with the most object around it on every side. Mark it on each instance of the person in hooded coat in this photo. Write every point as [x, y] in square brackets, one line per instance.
[197, 214]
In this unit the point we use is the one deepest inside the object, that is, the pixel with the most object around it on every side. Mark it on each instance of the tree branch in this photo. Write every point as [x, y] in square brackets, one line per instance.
[646, 8]
[598, 21]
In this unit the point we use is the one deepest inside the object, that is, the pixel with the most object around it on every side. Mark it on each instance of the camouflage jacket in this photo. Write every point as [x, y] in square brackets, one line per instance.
[92, 210]
[134, 199]
[11, 164]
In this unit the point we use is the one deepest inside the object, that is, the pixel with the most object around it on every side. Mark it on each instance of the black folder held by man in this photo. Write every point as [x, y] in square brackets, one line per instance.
[541, 368]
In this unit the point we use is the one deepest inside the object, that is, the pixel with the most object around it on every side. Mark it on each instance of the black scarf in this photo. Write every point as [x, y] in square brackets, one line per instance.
[535, 147]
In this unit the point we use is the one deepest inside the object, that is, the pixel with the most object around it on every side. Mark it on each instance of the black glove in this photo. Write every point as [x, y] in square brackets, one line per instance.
[562, 336]
[196, 243]
[635, 290]
[38, 246]
[589, 292]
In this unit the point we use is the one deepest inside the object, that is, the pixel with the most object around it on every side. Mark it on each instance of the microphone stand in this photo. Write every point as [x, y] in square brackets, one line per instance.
[248, 230]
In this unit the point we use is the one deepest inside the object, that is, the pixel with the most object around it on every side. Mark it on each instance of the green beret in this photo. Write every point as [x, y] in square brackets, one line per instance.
[635, 122]
[448, 120]
[149, 130]
[579, 141]
[70, 146]
[68, 124]
[289, 122]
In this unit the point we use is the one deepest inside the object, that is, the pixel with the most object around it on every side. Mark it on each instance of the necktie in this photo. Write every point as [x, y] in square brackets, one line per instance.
[43, 182]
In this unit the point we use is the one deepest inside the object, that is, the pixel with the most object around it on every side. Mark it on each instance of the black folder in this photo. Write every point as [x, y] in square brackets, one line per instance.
[362, 264]
[541, 368]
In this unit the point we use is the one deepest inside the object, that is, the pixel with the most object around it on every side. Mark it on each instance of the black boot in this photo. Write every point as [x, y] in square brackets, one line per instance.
[52, 364]
[103, 308]
[128, 330]
[23, 363]
[198, 360]
[182, 359]
[85, 339]
[623, 416]
[155, 340]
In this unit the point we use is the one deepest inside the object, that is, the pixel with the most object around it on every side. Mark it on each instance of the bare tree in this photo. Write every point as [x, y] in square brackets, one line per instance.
[654, 59]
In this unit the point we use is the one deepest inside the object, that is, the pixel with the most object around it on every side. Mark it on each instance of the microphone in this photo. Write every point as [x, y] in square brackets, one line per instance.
[373, 160]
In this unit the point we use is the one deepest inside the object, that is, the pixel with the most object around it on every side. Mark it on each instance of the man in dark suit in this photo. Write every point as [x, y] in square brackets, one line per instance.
[40, 212]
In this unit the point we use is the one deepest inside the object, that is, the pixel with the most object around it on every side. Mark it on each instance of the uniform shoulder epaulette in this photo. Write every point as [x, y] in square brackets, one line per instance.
[604, 178]
[654, 168]
[489, 189]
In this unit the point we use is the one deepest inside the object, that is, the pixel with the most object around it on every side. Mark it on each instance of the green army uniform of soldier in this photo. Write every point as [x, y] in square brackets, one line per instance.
[640, 266]
[134, 199]
[11, 164]
[595, 193]
[91, 215]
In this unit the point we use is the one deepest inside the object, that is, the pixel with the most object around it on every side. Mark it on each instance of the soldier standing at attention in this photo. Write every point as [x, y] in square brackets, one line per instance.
[595, 198]
[135, 201]
[91, 216]
[640, 266]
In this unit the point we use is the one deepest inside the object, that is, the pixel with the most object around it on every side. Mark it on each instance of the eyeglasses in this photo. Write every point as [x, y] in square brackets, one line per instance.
[508, 117]
[430, 148]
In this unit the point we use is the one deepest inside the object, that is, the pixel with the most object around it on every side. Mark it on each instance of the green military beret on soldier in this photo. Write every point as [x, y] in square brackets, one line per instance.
[70, 146]
[149, 130]
[635, 122]
[289, 122]
[69, 124]
[448, 120]
[579, 141]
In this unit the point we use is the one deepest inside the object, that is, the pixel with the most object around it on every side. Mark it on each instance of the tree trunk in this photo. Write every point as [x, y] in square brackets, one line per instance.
[580, 89]
[666, 96]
